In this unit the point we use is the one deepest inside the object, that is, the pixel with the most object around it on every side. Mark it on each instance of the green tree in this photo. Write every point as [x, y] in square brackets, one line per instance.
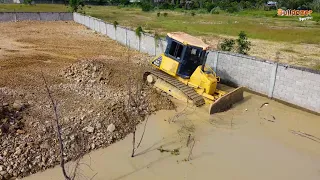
[226, 45]
[146, 5]
[243, 43]
[315, 5]
[27, 2]
[76, 5]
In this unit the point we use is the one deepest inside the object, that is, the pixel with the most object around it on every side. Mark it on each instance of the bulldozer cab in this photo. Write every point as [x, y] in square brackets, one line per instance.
[188, 51]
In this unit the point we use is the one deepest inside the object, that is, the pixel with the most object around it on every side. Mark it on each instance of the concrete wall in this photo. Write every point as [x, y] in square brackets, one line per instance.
[96, 23]
[103, 28]
[147, 44]
[161, 45]
[133, 40]
[28, 16]
[242, 71]
[37, 16]
[76, 18]
[66, 16]
[91, 23]
[121, 35]
[87, 21]
[298, 86]
[5, 17]
[295, 85]
[111, 31]
[49, 16]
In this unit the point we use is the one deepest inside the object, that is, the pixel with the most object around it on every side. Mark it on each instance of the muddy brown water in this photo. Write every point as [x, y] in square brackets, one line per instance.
[246, 142]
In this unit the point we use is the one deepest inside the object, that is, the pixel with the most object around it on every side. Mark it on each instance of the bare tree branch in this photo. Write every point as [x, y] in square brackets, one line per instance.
[189, 140]
[144, 130]
[133, 142]
[62, 162]
[190, 153]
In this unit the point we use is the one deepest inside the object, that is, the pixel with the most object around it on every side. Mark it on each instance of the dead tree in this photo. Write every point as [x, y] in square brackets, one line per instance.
[134, 101]
[62, 162]
[191, 149]
[132, 116]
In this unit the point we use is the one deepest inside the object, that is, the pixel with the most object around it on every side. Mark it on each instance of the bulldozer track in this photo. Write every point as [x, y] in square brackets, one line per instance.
[188, 91]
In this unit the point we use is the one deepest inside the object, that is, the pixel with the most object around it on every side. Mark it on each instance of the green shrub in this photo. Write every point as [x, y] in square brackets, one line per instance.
[28, 2]
[120, 6]
[158, 14]
[315, 5]
[193, 13]
[76, 5]
[226, 45]
[243, 43]
[165, 14]
[146, 6]
[246, 5]
[232, 8]
[102, 2]
[166, 5]
[202, 11]
[317, 67]
[157, 38]
[139, 31]
[115, 24]
[124, 2]
[215, 10]
[209, 6]
[316, 18]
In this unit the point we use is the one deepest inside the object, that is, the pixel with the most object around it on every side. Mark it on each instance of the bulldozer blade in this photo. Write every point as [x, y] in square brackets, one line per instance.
[225, 102]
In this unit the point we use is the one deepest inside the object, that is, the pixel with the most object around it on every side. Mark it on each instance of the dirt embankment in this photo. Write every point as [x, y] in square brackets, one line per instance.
[91, 93]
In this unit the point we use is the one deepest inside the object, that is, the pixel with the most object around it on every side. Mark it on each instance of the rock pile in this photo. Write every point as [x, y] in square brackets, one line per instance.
[92, 103]
[88, 71]
[11, 117]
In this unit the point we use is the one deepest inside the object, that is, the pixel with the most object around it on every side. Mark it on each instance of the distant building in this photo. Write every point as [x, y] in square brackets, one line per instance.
[18, 1]
[271, 4]
[6, 1]
[134, 1]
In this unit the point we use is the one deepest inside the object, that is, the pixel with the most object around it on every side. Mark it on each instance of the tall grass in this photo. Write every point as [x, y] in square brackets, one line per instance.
[265, 27]
[33, 8]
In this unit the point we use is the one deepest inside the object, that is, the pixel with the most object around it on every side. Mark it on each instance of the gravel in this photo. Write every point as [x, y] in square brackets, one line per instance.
[92, 99]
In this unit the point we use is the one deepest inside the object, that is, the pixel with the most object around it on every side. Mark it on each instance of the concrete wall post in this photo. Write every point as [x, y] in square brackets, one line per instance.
[126, 36]
[215, 62]
[155, 46]
[272, 80]
[15, 17]
[106, 28]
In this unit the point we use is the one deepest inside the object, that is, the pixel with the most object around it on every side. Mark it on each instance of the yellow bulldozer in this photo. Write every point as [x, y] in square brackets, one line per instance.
[181, 72]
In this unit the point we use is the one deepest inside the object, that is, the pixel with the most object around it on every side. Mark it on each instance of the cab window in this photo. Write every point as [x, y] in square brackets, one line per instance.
[176, 50]
[193, 54]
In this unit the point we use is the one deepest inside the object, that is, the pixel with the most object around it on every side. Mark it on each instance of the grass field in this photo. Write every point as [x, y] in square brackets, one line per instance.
[298, 42]
[34, 8]
[258, 27]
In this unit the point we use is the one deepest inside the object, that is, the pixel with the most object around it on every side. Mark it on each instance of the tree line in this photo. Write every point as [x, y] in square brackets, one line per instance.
[226, 5]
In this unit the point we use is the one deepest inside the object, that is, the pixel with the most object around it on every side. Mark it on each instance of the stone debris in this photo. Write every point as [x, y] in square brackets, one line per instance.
[91, 100]
[111, 128]
[18, 105]
[89, 129]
